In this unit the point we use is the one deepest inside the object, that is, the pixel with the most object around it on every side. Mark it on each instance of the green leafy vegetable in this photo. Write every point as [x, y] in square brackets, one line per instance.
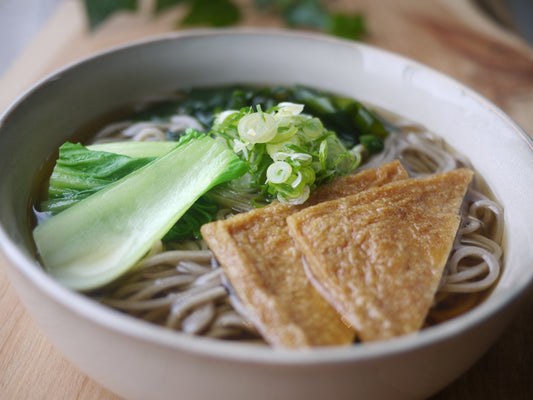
[135, 149]
[372, 143]
[102, 236]
[188, 226]
[79, 173]
[348, 26]
[294, 13]
[216, 13]
[313, 14]
[99, 10]
[348, 118]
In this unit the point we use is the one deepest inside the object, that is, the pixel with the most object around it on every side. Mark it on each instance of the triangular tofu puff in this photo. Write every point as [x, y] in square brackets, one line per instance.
[378, 256]
[265, 268]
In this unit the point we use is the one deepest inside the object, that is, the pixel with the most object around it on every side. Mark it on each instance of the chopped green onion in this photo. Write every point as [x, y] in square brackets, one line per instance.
[223, 116]
[313, 128]
[303, 157]
[289, 109]
[323, 153]
[308, 174]
[285, 134]
[239, 146]
[279, 172]
[280, 147]
[298, 180]
[257, 127]
[298, 199]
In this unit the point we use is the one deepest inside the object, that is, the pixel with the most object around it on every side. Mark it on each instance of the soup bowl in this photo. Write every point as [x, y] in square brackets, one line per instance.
[138, 360]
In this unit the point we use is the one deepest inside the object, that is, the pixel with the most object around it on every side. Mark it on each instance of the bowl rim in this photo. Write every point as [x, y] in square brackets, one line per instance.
[245, 352]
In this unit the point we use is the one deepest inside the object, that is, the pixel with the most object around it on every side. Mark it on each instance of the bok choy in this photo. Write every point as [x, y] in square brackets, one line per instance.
[103, 235]
[81, 171]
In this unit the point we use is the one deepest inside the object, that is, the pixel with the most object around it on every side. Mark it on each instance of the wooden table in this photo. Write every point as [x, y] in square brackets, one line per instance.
[452, 36]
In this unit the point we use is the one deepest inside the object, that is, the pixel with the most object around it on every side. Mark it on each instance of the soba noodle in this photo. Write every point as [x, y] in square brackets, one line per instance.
[181, 286]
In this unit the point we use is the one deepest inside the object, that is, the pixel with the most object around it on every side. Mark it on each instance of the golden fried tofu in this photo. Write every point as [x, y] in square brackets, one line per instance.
[265, 269]
[350, 184]
[378, 256]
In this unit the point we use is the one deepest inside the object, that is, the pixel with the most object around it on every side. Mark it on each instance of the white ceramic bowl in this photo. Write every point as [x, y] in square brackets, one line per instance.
[140, 361]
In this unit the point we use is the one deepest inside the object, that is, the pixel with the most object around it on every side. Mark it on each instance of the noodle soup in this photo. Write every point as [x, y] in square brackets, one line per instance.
[180, 284]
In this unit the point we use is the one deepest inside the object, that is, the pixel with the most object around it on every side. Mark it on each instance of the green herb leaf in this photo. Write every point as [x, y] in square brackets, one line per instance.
[100, 10]
[347, 26]
[216, 13]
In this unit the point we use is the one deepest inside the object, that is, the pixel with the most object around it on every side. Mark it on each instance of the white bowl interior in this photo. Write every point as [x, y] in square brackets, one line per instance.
[498, 149]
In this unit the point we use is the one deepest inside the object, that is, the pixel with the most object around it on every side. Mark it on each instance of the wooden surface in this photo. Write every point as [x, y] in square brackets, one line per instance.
[452, 36]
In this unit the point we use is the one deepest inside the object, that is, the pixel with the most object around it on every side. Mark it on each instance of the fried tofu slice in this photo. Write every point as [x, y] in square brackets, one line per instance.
[265, 267]
[378, 256]
[348, 185]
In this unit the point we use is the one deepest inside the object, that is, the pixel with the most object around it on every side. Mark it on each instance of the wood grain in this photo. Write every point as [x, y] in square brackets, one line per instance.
[454, 38]
[451, 36]
[30, 367]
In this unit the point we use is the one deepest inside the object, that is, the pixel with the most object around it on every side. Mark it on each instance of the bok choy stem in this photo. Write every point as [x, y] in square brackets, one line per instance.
[96, 240]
